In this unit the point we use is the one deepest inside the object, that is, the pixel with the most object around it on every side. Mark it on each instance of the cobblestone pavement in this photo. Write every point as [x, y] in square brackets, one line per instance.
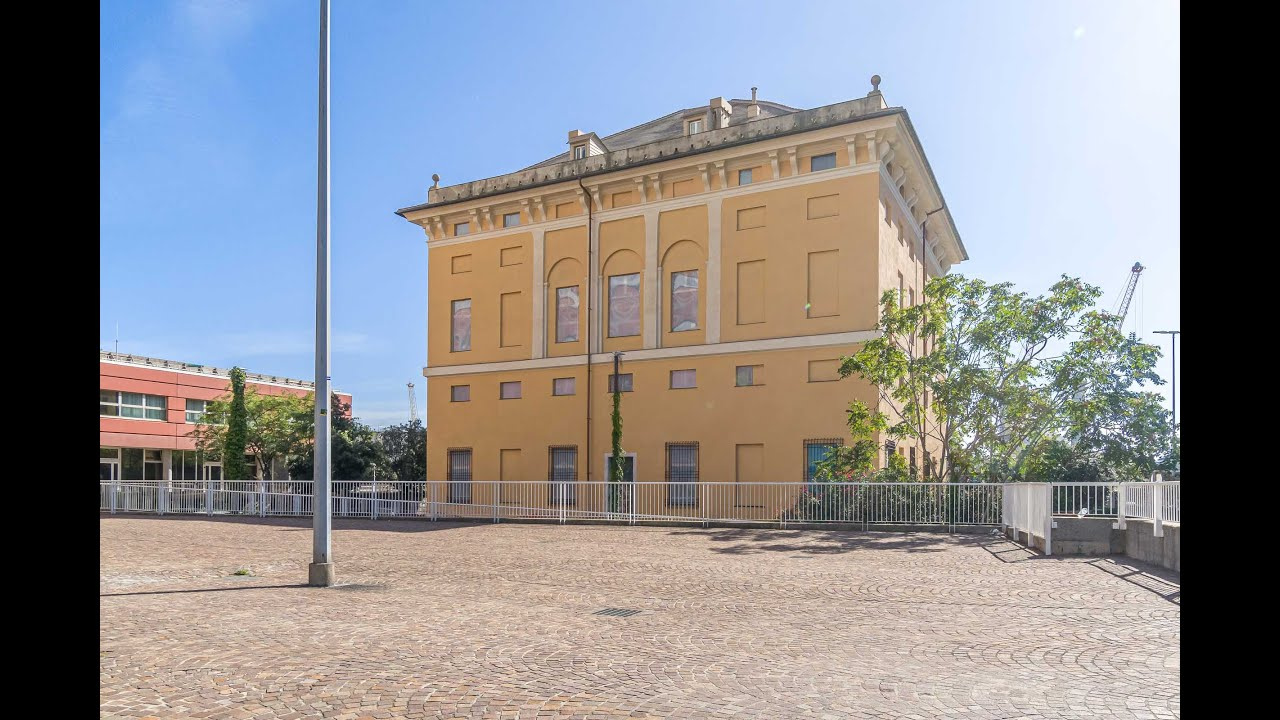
[444, 620]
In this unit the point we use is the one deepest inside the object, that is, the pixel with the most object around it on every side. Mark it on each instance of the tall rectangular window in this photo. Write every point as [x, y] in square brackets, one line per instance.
[815, 451]
[461, 321]
[744, 177]
[623, 382]
[462, 228]
[567, 314]
[682, 474]
[579, 152]
[510, 219]
[684, 300]
[912, 461]
[890, 447]
[564, 386]
[460, 476]
[695, 126]
[510, 390]
[624, 305]
[195, 410]
[822, 162]
[684, 379]
[928, 465]
[902, 293]
[563, 475]
[460, 393]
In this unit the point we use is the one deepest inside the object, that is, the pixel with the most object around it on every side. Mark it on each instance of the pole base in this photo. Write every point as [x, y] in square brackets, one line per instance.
[321, 575]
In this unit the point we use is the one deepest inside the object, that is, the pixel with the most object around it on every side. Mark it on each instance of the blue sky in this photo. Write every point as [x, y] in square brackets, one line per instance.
[1053, 129]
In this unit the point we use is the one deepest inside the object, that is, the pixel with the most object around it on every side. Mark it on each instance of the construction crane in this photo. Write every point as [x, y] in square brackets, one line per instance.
[413, 405]
[1128, 294]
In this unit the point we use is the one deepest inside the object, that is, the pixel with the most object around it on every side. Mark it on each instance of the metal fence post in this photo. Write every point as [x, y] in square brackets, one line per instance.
[208, 498]
[497, 499]
[1048, 520]
[1157, 508]
[562, 502]
[115, 492]
[373, 509]
[433, 502]
[262, 498]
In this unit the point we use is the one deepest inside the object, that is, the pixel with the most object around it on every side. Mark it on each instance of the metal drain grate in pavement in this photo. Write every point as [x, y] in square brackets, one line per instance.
[616, 612]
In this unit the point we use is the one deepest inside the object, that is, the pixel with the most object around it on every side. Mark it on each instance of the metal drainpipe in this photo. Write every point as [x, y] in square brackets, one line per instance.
[590, 271]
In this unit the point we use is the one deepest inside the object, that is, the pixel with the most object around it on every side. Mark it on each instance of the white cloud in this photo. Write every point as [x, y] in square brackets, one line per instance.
[1079, 32]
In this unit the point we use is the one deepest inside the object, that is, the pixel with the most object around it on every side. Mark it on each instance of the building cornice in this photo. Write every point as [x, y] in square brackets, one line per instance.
[663, 150]
[175, 366]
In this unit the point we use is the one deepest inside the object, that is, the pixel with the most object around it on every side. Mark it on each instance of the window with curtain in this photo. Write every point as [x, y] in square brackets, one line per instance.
[682, 474]
[461, 314]
[563, 386]
[684, 379]
[567, 314]
[460, 393]
[510, 390]
[195, 410]
[624, 305]
[113, 403]
[684, 300]
[563, 477]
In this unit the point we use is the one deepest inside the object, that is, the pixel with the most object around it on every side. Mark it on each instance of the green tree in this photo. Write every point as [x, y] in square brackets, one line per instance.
[617, 467]
[236, 435]
[354, 448]
[404, 448]
[273, 427]
[969, 370]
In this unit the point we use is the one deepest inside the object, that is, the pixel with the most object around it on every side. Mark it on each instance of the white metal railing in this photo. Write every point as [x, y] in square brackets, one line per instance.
[947, 504]
[1028, 507]
[1159, 502]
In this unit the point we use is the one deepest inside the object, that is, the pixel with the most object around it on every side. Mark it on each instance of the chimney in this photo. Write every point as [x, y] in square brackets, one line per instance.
[573, 134]
[721, 111]
[753, 110]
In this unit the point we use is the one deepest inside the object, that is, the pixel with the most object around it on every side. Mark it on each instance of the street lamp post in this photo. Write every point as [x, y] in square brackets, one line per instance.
[320, 572]
[1174, 375]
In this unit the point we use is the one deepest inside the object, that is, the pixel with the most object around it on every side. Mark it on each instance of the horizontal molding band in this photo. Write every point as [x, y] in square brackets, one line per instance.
[605, 357]
[666, 204]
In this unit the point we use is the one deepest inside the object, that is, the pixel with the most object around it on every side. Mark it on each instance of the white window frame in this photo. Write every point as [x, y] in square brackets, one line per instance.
[120, 405]
[693, 126]
[580, 151]
[204, 405]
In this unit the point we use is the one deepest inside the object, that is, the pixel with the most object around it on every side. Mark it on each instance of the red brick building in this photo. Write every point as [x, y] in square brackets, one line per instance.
[149, 407]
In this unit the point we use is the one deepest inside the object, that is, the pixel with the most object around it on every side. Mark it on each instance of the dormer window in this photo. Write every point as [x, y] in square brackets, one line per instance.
[579, 152]
[695, 126]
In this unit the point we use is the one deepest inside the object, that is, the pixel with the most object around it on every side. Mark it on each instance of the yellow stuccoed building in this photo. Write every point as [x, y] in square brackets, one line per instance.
[732, 252]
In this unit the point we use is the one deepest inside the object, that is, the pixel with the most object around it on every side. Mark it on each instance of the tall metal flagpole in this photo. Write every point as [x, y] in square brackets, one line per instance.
[320, 572]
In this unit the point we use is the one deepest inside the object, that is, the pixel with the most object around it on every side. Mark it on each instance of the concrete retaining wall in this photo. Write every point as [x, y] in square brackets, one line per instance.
[1095, 536]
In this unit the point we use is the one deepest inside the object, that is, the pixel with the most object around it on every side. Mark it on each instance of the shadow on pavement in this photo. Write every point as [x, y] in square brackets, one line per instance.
[829, 542]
